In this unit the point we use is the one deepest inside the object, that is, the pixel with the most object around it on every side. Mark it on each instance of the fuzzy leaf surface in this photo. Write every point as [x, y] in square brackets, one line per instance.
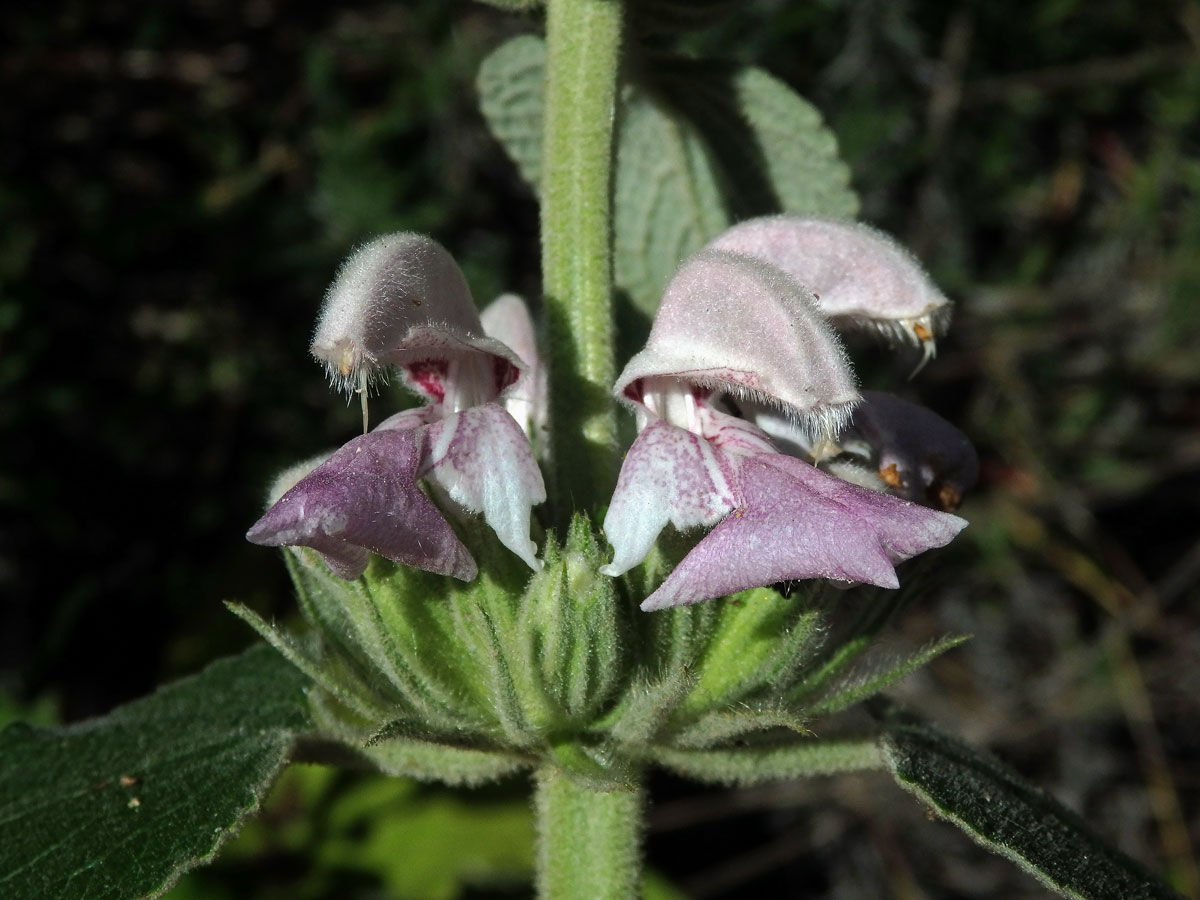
[771, 144]
[511, 97]
[706, 145]
[861, 685]
[1011, 817]
[759, 763]
[120, 806]
[700, 145]
[666, 198]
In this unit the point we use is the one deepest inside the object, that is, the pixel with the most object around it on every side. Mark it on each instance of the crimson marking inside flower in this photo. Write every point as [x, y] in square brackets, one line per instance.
[429, 376]
[505, 373]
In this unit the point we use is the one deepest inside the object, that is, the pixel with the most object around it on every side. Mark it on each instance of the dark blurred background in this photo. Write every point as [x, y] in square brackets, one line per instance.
[178, 182]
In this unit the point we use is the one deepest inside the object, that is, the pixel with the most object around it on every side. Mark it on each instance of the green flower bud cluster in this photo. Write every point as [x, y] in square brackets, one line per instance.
[464, 683]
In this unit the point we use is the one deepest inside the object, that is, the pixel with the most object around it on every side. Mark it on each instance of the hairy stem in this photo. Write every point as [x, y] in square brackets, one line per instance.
[589, 840]
[583, 41]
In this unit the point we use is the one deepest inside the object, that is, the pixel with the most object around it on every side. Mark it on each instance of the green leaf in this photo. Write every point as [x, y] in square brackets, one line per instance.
[758, 636]
[700, 145]
[996, 807]
[723, 725]
[666, 199]
[772, 145]
[511, 96]
[757, 763]
[875, 677]
[459, 764]
[328, 673]
[120, 806]
[705, 145]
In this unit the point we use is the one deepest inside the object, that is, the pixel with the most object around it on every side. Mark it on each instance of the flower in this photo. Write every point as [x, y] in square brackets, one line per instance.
[889, 444]
[401, 301]
[918, 454]
[733, 330]
[861, 278]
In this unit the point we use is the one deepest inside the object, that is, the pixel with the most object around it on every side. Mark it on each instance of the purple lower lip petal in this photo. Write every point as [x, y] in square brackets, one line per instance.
[365, 498]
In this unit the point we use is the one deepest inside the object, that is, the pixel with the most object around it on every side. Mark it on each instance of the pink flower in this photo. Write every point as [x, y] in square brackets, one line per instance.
[402, 302]
[734, 331]
[860, 277]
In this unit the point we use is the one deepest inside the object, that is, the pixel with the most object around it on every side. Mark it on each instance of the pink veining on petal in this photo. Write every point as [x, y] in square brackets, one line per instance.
[731, 433]
[429, 377]
[482, 459]
[669, 475]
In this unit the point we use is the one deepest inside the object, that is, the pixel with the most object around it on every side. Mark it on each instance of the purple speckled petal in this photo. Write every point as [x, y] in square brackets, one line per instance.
[919, 454]
[669, 475]
[365, 497]
[733, 324]
[861, 276]
[482, 459]
[797, 522]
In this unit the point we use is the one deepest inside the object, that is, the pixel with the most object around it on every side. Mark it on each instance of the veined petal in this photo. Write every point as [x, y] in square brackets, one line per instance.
[861, 276]
[402, 300]
[482, 460]
[734, 324]
[365, 498]
[919, 454]
[797, 522]
[669, 475]
[507, 320]
[409, 418]
[730, 433]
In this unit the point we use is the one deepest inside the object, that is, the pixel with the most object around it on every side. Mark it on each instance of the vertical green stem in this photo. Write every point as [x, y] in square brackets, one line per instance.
[583, 42]
[589, 841]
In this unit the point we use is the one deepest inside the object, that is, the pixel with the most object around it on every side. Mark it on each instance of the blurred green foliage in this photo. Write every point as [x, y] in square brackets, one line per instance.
[324, 832]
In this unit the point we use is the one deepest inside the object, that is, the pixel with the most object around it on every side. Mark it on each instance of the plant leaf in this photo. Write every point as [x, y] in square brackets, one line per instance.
[666, 199]
[456, 764]
[704, 145]
[699, 146]
[759, 635]
[721, 726]
[875, 677]
[120, 806]
[756, 764]
[772, 144]
[1004, 813]
[511, 98]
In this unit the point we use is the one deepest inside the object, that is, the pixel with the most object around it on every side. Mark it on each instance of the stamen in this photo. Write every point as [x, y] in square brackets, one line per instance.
[362, 393]
[924, 334]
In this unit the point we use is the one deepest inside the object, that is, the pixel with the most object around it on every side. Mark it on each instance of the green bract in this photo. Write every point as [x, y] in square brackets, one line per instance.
[463, 683]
